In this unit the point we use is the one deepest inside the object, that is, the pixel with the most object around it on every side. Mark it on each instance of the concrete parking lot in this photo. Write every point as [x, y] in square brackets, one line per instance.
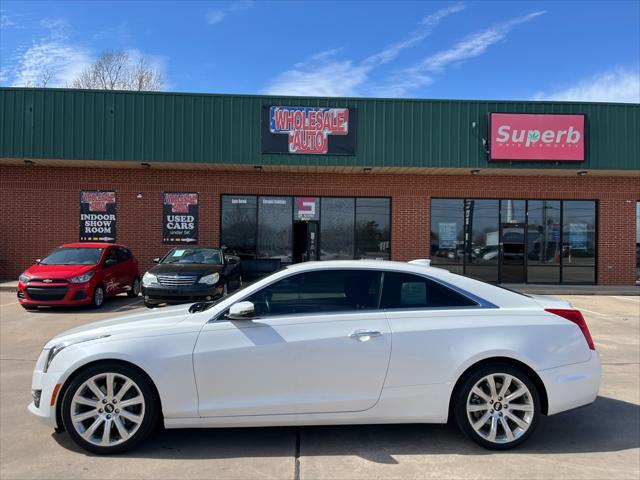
[599, 441]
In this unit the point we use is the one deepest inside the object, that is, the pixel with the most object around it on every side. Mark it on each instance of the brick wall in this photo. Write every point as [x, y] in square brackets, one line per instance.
[40, 206]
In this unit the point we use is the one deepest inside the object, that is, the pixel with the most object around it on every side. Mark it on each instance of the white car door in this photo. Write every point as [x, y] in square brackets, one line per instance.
[317, 344]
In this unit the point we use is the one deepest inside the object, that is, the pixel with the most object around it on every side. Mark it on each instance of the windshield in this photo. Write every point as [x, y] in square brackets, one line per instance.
[73, 256]
[205, 256]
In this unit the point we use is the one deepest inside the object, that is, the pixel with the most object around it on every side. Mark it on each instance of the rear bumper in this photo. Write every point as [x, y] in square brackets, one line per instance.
[572, 386]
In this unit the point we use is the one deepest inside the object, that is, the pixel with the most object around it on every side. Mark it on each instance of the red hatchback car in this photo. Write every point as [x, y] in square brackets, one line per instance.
[79, 274]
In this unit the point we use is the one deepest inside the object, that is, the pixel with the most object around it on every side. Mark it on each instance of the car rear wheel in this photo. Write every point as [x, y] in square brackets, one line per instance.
[135, 288]
[98, 297]
[497, 406]
[109, 408]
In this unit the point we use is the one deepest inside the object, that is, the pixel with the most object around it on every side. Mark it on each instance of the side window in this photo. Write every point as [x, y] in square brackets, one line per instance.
[321, 291]
[123, 254]
[111, 255]
[401, 290]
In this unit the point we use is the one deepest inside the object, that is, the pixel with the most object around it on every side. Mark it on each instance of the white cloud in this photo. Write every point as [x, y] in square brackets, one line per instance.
[475, 45]
[51, 55]
[215, 16]
[617, 85]
[323, 75]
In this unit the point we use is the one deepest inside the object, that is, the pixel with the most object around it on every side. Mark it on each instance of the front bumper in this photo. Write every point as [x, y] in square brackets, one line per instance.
[572, 386]
[57, 294]
[46, 383]
[156, 294]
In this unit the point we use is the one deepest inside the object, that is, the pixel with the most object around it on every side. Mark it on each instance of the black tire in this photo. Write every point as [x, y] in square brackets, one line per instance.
[464, 421]
[150, 415]
[150, 305]
[97, 299]
[135, 288]
[29, 307]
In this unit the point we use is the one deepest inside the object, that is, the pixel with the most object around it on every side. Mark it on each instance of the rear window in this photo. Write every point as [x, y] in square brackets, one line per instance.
[402, 290]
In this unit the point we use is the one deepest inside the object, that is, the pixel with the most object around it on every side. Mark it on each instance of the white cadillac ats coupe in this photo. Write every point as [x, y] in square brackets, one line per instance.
[339, 342]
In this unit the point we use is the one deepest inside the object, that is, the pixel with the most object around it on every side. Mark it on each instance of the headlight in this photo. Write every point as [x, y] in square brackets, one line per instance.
[81, 278]
[23, 278]
[56, 349]
[148, 279]
[210, 279]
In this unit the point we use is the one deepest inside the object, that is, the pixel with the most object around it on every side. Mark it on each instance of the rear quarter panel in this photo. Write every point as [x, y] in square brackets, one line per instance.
[437, 346]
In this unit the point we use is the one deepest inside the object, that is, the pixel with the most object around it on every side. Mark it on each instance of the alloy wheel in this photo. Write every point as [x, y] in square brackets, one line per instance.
[107, 409]
[98, 296]
[500, 408]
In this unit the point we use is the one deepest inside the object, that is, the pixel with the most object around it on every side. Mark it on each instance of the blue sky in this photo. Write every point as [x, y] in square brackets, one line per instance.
[570, 50]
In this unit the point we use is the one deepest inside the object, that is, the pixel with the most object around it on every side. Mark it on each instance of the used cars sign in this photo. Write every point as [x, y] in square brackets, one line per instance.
[520, 136]
[310, 130]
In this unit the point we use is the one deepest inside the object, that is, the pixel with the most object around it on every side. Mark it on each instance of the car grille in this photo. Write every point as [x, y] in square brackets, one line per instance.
[177, 280]
[46, 293]
[49, 280]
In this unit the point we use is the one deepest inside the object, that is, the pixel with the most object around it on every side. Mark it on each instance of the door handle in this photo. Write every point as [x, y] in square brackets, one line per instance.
[364, 336]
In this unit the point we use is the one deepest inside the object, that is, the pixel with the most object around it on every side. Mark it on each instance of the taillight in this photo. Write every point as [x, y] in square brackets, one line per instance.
[576, 317]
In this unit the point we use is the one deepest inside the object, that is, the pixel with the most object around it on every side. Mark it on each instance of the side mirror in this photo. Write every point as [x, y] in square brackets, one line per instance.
[38, 260]
[241, 311]
[156, 260]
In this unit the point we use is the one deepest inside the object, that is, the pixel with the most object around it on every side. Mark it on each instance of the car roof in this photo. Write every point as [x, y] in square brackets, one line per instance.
[491, 293]
[90, 245]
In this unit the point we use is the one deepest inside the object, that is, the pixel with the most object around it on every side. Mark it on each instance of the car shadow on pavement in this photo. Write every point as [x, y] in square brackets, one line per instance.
[117, 304]
[608, 425]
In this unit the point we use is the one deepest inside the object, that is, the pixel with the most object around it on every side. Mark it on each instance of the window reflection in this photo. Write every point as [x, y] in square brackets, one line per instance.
[447, 233]
[275, 228]
[337, 228]
[373, 228]
[239, 221]
[543, 241]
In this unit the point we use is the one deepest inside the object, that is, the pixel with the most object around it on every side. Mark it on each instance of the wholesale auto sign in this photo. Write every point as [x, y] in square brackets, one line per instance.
[180, 218]
[97, 216]
[546, 137]
[309, 130]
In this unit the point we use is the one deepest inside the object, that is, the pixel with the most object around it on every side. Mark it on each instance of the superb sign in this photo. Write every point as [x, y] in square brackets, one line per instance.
[524, 136]
[310, 130]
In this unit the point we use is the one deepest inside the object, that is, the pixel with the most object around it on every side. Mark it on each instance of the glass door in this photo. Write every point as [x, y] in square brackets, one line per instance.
[512, 241]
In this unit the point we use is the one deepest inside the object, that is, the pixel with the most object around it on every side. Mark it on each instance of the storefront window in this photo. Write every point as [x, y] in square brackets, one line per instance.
[373, 228]
[337, 216]
[579, 241]
[638, 241]
[239, 224]
[482, 239]
[516, 241]
[275, 228]
[447, 233]
[543, 241]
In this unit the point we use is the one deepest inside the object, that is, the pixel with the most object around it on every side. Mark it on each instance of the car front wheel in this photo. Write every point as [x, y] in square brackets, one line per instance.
[98, 297]
[497, 406]
[109, 408]
[134, 291]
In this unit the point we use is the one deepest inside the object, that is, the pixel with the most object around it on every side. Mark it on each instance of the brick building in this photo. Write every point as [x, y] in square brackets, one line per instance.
[510, 192]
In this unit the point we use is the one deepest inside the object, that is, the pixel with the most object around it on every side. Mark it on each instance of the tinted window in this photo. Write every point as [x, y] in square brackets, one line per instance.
[239, 224]
[401, 290]
[482, 242]
[373, 228]
[543, 241]
[275, 228]
[123, 254]
[447, 233]
[337, 228]
[112, 255]
[319, 292]
[578, 241]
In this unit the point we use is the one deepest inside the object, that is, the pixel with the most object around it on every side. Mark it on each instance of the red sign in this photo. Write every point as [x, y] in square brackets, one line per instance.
[524, 136]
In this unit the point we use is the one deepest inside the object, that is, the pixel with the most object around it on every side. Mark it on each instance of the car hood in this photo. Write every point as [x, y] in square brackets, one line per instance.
[149, 322]
[185, 269]
[40, 270]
